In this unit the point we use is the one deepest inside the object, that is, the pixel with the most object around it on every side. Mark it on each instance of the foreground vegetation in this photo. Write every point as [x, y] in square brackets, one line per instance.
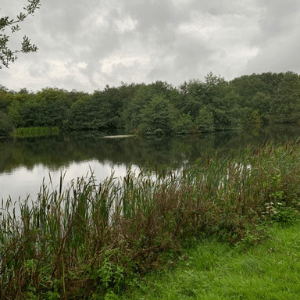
[159, 108]
[96, 240]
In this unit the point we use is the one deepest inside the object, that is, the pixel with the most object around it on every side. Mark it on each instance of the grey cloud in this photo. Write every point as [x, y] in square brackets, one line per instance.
[39, 69]
[278, 39]
[280, 56]
[90, 32]
[277, 18]
[69, 83]
[123, 73]
[155, 14]
[187, 58]
[225, 7]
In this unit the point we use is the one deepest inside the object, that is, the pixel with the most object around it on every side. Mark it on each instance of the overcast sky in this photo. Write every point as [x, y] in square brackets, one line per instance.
[87, 44]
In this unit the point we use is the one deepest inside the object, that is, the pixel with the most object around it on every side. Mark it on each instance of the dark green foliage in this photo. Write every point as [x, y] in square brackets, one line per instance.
[226, 111]
[193, 97]
[83, 114]
[110, 104]
[215, 100]
[286, 216]
[142, 96]
[205, 120]
[4, 100]
[261, 103]
[157, 117]
[6, 125]
[285, 107]
[184, 124]
[17, 102]
[247, 86]
[132, 110]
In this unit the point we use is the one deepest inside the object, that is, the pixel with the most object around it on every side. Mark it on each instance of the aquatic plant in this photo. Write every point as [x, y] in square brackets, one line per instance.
[35, 131]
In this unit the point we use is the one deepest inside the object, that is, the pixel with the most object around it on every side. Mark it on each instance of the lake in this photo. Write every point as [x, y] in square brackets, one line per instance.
[25, 163]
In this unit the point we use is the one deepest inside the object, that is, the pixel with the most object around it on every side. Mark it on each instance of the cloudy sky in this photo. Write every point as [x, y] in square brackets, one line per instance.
[87, 44]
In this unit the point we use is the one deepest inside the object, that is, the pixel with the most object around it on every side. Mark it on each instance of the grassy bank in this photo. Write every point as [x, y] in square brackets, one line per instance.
[93, 240]
[216, 271]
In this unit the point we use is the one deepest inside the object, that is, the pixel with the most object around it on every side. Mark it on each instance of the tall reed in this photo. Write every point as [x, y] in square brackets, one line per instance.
[91, 238]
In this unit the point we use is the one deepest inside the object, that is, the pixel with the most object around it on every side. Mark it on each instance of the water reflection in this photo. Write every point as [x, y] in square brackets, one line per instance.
[25, 162]
[23, 182]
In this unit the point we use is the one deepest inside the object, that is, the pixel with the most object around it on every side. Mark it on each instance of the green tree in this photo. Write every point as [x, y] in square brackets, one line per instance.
[14, 113]
[84, 114]
[7, 55]
[226, 111]
[271, 82]
[4, 100]
[205, 120]
[132, 110]
[192, 99]
[285, 107]
[261, 103]
[183, 124]
[157, 117]
[197, 94]
[6, 125]
[246, 87]
[47, 108]
[110, 103]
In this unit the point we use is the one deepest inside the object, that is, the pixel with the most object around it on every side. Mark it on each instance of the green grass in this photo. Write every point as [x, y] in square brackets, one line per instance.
[96, 240]
[34, 131]
[214, 270]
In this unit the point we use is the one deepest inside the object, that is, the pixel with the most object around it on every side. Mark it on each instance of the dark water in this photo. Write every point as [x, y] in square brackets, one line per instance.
[25, 162]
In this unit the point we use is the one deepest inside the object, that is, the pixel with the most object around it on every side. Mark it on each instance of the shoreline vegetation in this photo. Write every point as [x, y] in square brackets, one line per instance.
[34, 132]
[158, 109]
[93, 241]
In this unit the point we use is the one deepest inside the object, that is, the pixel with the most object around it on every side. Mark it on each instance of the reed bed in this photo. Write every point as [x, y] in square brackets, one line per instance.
[24, 132]
[89, 239]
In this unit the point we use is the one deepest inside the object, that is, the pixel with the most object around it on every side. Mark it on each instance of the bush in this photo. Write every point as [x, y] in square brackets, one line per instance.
[286, 216]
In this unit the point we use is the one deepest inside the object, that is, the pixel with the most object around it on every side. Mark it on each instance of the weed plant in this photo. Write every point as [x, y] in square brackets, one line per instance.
[92, 240]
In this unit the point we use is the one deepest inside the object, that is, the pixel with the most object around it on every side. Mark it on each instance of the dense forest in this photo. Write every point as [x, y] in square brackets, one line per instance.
[158, 108]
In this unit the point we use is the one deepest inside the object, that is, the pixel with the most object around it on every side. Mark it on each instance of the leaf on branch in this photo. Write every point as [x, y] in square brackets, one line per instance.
[15, 28]
[21, 16]
[3, 23]
[34, 4]
[6, 55]
[27, 47]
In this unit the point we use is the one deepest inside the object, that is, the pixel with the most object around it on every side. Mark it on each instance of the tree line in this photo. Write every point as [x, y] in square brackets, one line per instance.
[158, 108]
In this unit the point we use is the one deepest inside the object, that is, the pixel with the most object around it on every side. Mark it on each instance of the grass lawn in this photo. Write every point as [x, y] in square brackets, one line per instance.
[213, 270]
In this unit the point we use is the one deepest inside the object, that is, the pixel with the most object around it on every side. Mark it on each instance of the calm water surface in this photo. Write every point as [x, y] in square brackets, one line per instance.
[25, 163]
